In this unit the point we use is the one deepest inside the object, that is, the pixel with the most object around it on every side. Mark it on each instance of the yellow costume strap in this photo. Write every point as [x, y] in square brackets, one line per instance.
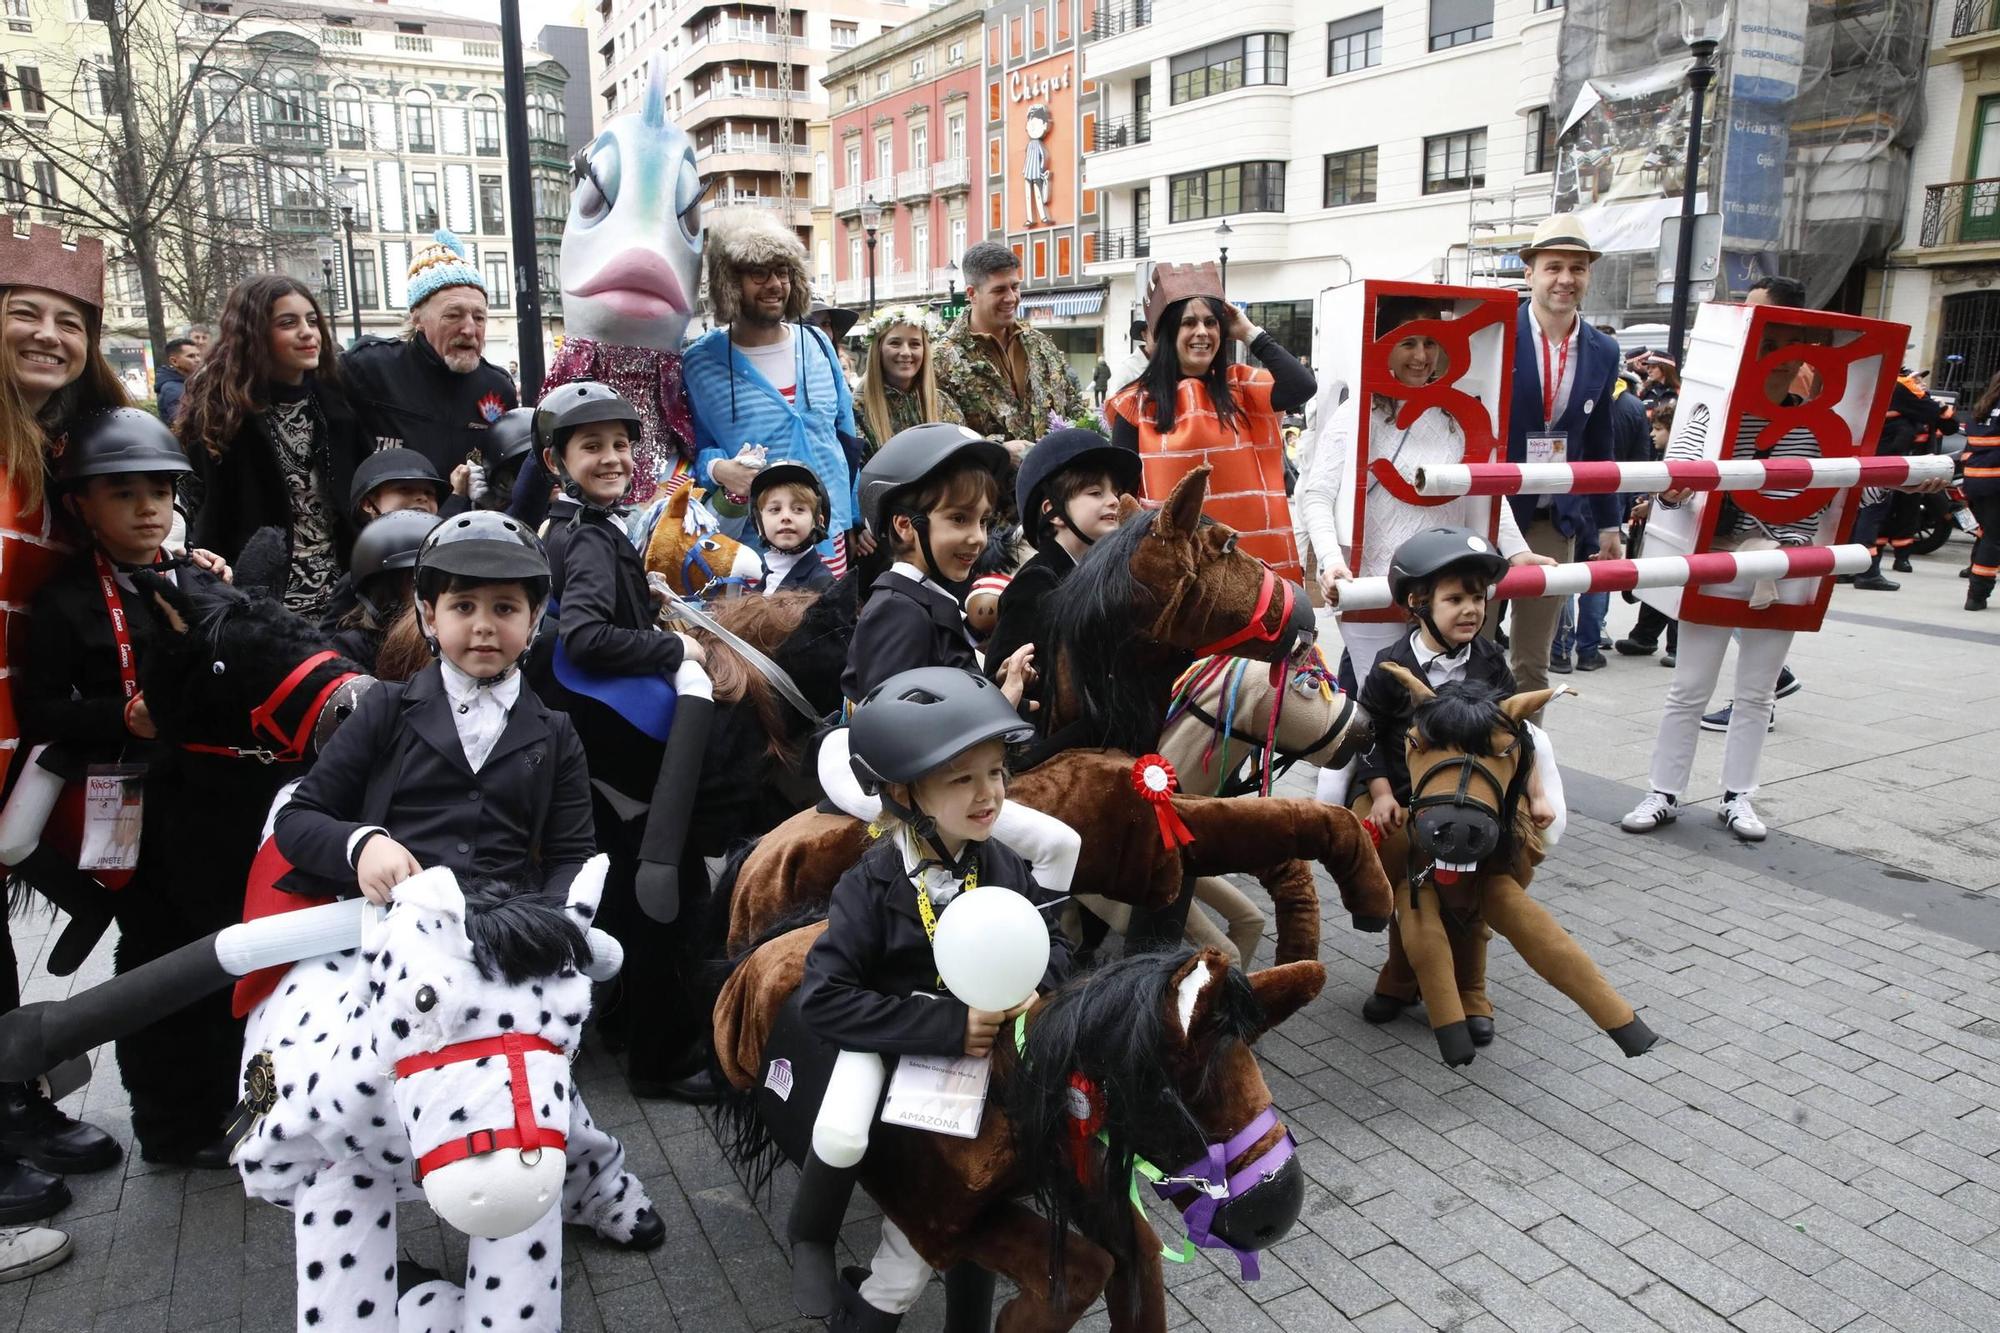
[925, 909]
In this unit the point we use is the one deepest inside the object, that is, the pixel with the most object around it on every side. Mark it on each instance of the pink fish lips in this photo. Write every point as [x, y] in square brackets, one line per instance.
[639, 284]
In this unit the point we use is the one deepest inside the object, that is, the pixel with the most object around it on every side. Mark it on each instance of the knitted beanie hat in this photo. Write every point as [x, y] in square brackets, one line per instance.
[441, 264]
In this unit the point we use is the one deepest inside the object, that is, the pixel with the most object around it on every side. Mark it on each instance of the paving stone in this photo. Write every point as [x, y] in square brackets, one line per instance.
[1504, 1294]
[1691, 1273]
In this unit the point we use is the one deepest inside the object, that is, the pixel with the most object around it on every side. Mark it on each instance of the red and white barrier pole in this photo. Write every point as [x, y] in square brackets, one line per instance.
[1658, 571]
[1694, 474]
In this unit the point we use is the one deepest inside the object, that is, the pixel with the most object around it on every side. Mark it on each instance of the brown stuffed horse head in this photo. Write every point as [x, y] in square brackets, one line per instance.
[1153, 1051]
[1470, 756]
[689, 560]
[1211, 596]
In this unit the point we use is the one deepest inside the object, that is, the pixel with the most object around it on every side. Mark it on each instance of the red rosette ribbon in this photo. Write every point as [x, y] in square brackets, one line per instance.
[1086, 1119]
[1154, 779]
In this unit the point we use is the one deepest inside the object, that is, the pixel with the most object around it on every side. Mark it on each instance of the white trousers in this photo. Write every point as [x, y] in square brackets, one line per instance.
[1760, 655]
[897, 1275]
[1049, 845]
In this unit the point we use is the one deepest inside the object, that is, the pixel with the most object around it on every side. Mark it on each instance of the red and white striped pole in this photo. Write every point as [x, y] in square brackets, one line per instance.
[1693, 474]
[1656, 571]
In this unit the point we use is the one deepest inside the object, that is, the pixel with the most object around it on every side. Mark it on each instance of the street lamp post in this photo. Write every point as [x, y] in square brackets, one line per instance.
[328, 253]
[871, 222]
[950, 284]
[1703, 23]
[1222, 235]
[347, 187]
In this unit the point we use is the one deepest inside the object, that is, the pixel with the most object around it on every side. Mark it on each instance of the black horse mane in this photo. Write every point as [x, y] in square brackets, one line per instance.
[1093, 637]
[1111, 1026]
[521, 934]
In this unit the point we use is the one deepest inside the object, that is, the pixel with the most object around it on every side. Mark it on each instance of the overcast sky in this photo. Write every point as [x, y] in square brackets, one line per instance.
[535, 14]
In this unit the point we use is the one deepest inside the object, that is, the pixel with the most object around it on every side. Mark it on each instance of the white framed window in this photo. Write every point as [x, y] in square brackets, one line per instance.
[854, 257]
[822, 187]
[853, 176]
[918, 64]
[920, 145]
[920, 247]
[954, 137]
[882, 82]
[957, 235]
[955, 54]
[885, 157]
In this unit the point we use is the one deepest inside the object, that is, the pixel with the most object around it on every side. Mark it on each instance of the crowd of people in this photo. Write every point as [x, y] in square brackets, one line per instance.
[474, 555]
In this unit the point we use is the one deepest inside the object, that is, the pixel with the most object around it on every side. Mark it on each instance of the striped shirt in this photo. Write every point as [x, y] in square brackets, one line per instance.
[1690, 442]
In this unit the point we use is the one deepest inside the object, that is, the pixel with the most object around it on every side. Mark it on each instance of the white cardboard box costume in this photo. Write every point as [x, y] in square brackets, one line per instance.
[1476, 342]
[1722, 384]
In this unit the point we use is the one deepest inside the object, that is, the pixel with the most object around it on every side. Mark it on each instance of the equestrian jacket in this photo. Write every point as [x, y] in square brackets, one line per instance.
[69, 691]
[411, 399]
[808, 574]
[871, 981]
[1027, 614]
[399, 764]
[1388, 703]
[906, 624]
[598, 579]
[1585, 420]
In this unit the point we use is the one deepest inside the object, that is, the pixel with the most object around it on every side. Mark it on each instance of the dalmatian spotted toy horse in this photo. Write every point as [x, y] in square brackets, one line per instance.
[418, 1052]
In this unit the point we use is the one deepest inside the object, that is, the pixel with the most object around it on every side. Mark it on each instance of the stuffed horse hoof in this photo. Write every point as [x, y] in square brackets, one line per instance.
[1481, 1028]
[1455, 1043]
[1372, 925]
[1635, 1038]
[1379, 1008]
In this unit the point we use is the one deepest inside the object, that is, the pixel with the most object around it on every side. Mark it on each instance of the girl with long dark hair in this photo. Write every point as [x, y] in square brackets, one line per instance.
[272, 437]
[1192, 406]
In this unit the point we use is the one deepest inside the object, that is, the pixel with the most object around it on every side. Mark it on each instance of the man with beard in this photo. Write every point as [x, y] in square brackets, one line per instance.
[432, 390]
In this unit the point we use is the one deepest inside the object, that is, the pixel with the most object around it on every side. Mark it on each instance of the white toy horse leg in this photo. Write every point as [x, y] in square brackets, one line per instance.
[515, 1282]
[1051, 846]
[837, 780]
[598, 1192]
[1552, 784]
[28, 809]
[847, 1112]
[345, 1229]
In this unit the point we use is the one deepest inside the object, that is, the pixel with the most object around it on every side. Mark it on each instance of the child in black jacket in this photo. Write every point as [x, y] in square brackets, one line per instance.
[932, 743]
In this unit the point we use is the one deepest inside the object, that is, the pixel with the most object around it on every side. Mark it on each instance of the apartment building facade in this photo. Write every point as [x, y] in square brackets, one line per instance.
[902, 137]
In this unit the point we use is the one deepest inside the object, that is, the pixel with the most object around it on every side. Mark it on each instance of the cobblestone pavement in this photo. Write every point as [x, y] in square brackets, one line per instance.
[1812, 1148]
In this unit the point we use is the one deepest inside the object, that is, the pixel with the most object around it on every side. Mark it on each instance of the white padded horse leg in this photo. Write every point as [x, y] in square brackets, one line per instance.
[1051, 846]
[345, 1229]
[28, 809]
[837, 780]
[289, 936]
[1552, 784]
[514, 1284]
[598, 1192]
[847, 1112]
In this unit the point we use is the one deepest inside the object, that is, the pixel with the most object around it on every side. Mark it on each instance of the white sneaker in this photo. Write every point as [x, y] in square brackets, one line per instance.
[1741, 820]
[26, 1251]
[1656, 809]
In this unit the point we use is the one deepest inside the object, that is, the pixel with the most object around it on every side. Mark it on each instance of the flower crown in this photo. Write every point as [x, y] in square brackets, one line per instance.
[889, 316]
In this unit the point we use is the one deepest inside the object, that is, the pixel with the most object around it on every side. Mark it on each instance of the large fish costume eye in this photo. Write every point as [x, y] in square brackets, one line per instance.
[687, 198]
[596, 173]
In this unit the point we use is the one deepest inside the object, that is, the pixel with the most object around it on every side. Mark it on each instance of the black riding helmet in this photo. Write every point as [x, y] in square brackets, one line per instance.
[387, 465]
[917, 721]
[123, 440]
[1073, 446]
[1420, 561]
[910, 458]
[791, 474]
[583, 403]
[486, 546]
[387, 545]
[510, 439]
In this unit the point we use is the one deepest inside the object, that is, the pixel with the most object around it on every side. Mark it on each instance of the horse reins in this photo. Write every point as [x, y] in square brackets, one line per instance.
[1271, 764]
[265, 720]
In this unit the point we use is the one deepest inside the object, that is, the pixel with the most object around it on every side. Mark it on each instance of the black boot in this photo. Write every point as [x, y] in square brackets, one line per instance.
[813, 1230]
[968, 1298]
[34, 1129]
[1379, 1008]
[852, 1314]
[29, 1195]
[1903, 565]
[1977, 591]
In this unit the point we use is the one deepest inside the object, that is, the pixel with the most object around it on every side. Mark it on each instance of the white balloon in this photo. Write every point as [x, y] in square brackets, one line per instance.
[992, 948]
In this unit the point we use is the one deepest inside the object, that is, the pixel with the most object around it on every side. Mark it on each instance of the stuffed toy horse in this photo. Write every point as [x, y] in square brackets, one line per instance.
[690, 553]
[1148, 1057]
[1462, 862]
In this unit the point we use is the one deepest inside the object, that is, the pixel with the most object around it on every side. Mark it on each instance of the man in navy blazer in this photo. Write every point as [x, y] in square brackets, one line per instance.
[1563, 375]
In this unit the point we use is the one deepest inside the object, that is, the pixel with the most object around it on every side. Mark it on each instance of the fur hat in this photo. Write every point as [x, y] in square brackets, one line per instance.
[740, 238]
[439, 265]
[1178, 282]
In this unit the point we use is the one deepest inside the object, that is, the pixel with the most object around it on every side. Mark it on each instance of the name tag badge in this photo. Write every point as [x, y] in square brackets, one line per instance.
[940, 1093]
[1548, 448]
[113, 808]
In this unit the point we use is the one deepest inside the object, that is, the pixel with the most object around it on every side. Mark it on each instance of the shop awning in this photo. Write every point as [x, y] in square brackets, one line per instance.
[1064, 305]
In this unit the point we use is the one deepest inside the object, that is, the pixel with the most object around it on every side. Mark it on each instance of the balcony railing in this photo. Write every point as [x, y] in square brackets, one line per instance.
[1126, 17]
[736, 32]
[882, 189]
[847, 199]
[746, 144]
[1122, 132]
[1975, 16]
[1123, 243]
[285, 218]
[914, 183]
[954, 173]
[904, 284]
[1961, 213]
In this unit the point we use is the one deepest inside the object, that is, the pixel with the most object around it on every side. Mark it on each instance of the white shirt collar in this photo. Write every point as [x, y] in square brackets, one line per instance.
[1440, 667]
[934, 879]
[462, 688]
[915, 575]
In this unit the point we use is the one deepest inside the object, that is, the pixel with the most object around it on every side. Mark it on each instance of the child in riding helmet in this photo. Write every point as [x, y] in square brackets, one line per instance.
[927, 498]
[509, 443]
[1069, 494]
[382, 569]
[1441, 577]
[788, 504]
[89, 637]
[932, 743]
[390, 480]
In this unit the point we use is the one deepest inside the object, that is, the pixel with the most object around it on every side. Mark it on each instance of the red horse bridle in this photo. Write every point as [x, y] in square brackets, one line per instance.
[288, 746]
[523, 1134]
[1253, 630]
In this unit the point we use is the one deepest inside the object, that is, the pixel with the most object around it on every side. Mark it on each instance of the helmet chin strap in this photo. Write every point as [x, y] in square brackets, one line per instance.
[926, 831]
[1069, 525]
[481, 682]
[956, 587]
[573, 490]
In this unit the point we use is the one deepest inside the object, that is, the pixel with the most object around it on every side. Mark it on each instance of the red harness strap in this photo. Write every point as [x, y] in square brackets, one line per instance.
[291, 747]
[1253, 630]
[524, 1134]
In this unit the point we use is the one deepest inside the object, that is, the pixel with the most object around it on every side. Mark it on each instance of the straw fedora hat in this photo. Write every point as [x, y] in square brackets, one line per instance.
[1563, 231]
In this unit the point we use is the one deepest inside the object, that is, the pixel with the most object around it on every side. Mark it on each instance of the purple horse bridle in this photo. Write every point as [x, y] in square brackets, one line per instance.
[1211, 1177]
